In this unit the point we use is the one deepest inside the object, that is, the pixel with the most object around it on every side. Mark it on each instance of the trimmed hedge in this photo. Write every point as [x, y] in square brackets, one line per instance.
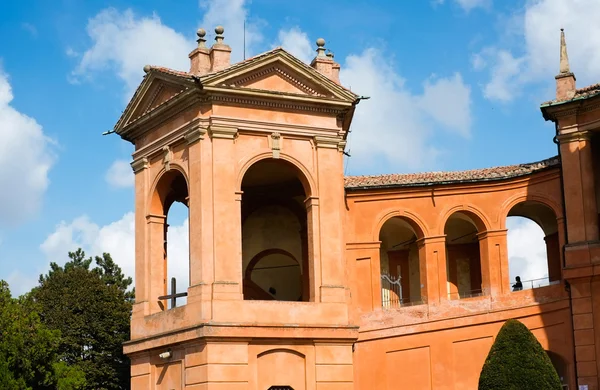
[517, 361]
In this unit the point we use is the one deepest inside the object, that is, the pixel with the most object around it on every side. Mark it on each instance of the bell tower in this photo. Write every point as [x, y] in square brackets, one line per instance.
[255, 151]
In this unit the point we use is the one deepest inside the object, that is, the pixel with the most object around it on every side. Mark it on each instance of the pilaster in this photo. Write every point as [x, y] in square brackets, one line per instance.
[494, 262]
[227, 216]
[156, 262]
[432, 266]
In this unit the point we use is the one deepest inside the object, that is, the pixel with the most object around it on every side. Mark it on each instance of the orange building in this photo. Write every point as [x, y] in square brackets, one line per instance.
[301, 278]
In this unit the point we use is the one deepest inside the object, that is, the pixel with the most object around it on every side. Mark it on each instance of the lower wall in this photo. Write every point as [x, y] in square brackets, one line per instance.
[246, 365]
[452, 357]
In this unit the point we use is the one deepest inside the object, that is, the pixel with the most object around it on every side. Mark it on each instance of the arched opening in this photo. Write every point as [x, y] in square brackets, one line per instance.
[560, 365]
[463, 259]
[170, 201]
[274, 233]
[399, 263]
[533, 247]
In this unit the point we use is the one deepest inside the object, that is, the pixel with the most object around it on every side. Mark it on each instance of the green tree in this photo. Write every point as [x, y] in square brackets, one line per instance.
[28, 350]
[517, 361]
[91, 307]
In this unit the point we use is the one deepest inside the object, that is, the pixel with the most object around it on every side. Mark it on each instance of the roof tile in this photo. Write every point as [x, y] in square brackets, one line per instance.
[431, 178]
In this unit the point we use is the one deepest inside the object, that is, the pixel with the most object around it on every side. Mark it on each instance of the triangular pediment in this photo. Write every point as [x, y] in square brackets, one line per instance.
[156, 89]
[279, 72]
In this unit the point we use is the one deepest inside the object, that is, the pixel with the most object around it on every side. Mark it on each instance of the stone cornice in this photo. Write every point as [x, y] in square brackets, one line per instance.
[330, 143]
[153, 218]
[375, 245]
[223, 132]
[187, 132]
[570, 108]
[140, 164]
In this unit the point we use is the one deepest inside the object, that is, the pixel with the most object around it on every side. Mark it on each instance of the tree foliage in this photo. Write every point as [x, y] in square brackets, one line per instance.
[28, 349]
[517, 361]
[91, 309]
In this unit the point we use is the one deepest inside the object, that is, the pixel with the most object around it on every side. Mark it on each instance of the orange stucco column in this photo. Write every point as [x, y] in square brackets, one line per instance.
[142, 267]
[227, 217]
[580, 196]
[156, 262]
[432, 266]
[201, 267]
[495, 277]
[314, 248]
[331, 201]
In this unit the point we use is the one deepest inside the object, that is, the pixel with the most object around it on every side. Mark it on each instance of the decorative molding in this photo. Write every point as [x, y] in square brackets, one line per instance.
[311, 201]
[575, 136]
[195, 134]
[167, 158]
[327, 142]
[275, 144]
[154, 218]
[341, 146]
[241, 82]
[140, 164]
[261, 102]
[223, 132]
[172, 138]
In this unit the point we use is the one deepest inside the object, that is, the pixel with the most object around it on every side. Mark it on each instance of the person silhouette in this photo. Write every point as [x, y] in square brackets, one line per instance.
[518, 286]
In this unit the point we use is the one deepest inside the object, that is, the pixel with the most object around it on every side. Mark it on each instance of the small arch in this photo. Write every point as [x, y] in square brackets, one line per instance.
[400, 262]
[508, 206]
[171, 187]
[159, 202]
[304, 174]
[463, 254]
[537, 261]
[277, 272]
[413, 219]
[480, 220]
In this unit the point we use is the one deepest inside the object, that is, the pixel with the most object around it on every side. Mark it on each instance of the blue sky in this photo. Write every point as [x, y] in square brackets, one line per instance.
[454, 84]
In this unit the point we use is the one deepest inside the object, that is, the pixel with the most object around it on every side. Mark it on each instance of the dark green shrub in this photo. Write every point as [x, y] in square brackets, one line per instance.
[517, 361]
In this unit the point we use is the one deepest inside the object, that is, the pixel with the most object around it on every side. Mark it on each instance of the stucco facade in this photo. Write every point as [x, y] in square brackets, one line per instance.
[305, 278]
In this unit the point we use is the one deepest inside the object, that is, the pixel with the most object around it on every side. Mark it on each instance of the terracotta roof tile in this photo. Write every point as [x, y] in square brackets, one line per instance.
[431, 178]
[172, 72]
[581, 93]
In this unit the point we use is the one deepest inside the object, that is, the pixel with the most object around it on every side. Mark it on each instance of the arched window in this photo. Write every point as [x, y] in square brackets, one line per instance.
[399, 262]
[274, 233]
[463, 260]
[533, 248]
[170, 202]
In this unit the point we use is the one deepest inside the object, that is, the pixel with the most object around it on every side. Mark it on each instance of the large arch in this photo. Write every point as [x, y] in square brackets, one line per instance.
[400, 262]
[275, 225]
[170, 187]
[536, 261]
[463, 230]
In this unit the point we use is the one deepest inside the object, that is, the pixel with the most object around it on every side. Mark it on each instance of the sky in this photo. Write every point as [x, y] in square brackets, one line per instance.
[454, 84]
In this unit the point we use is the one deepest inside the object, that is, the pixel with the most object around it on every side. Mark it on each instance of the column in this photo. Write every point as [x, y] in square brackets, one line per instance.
[432, 262]
[227, 216]
[156, 262]
[331, 200]
[201, 267]
[583, 330]
[314, 248]
[494, 262]
[140, 169]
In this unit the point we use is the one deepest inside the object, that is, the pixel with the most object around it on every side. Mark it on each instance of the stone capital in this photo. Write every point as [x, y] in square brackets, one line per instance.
[223, 132]
[195, 134]
[431, 240]
[492, 233]
[575, 136]
[327, 142]
[140, 164]
[311, 201]
[153, 218]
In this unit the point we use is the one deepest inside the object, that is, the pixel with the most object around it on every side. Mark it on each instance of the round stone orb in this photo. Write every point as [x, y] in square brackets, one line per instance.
[320, 42]
[147, 68]
[219, 30]
[201, 33]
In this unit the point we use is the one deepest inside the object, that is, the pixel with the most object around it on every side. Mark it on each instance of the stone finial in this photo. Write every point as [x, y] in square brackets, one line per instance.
[320, 47]
[565, 80]
[564, 58]
[147, 68]
[219, 30]
[201, 33]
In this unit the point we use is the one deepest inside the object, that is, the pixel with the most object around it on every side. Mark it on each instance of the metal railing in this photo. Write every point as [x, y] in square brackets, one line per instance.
[391, 293]
[534, 283]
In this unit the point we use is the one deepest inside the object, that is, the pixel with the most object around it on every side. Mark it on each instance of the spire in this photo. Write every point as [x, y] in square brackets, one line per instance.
[565, 80]
[564, 58]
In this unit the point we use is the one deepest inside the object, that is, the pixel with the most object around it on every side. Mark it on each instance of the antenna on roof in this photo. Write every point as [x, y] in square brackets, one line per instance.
[244, 39]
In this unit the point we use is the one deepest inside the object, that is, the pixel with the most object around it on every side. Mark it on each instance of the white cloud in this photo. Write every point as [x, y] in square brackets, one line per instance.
[124, 43]
[118, 239]
[25, 160]
[120, 175]
[532, 56]
[231, 15]
[467, 5]
[395, 125]
[297, 43]
[20, 283]
[526, 250]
